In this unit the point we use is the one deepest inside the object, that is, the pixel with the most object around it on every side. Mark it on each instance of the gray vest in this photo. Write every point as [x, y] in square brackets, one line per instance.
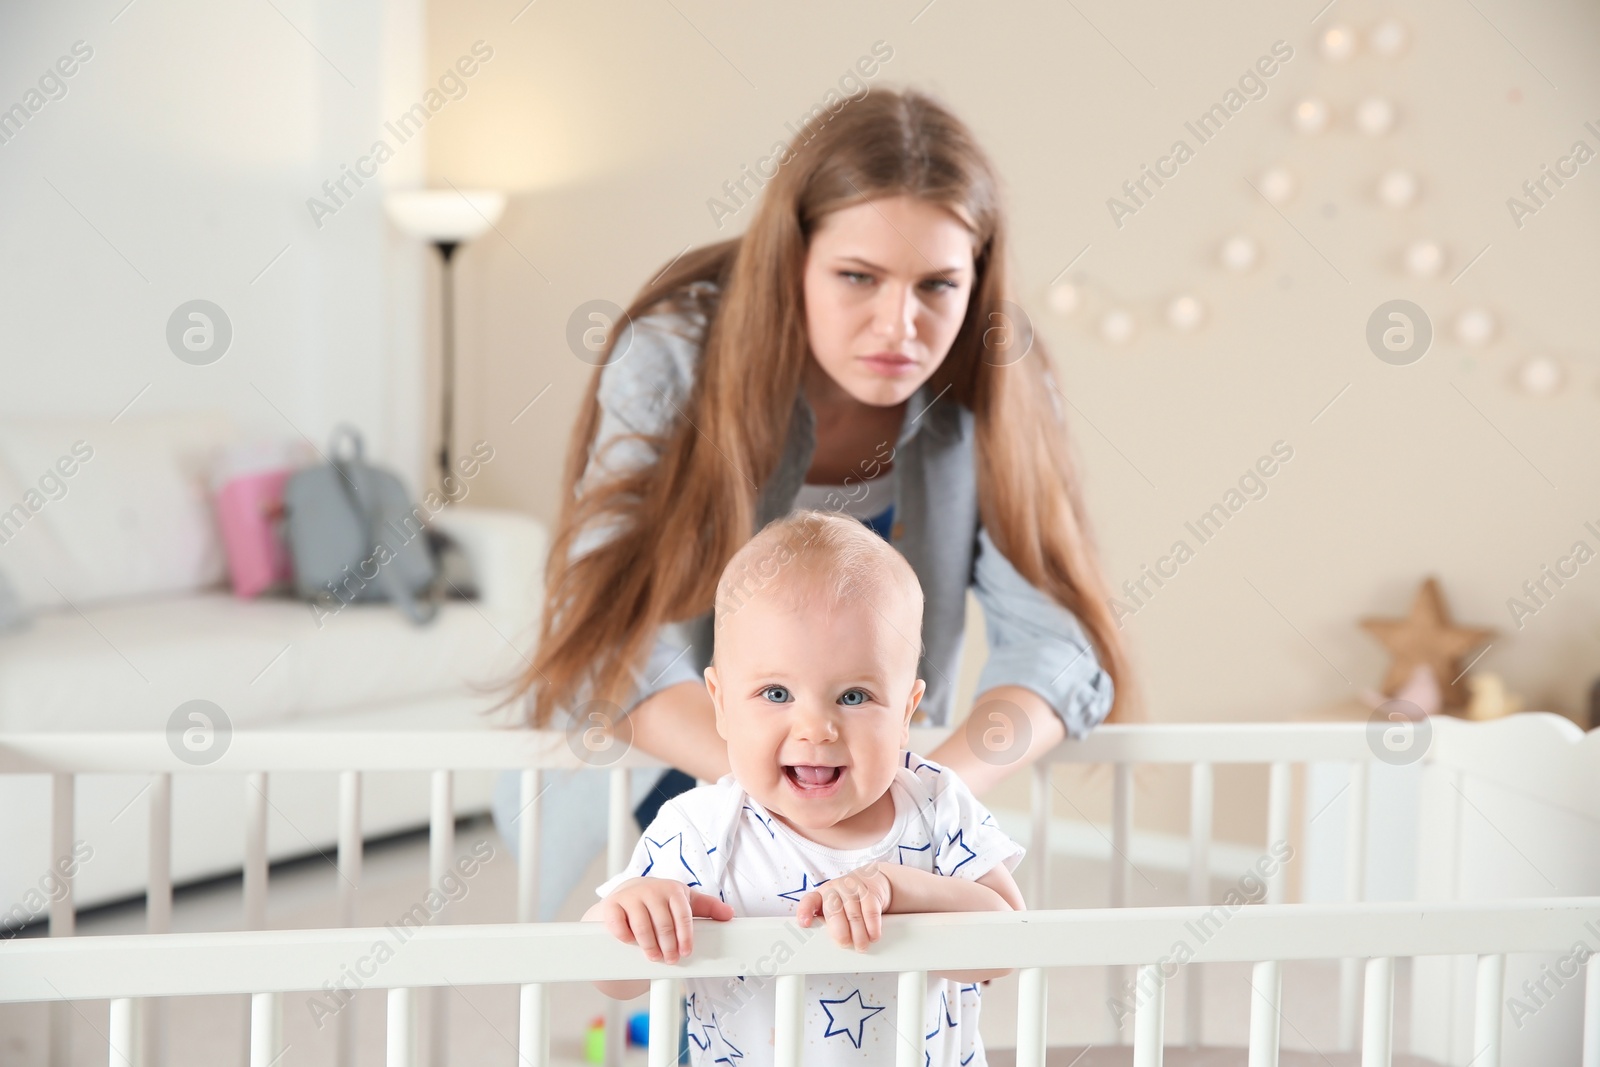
[1034, 642]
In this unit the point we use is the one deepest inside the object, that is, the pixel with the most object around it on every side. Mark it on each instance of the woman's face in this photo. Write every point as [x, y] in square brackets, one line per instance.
[886, 288]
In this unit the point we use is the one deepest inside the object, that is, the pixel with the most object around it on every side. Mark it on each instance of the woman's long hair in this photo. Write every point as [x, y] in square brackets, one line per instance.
[679, 521]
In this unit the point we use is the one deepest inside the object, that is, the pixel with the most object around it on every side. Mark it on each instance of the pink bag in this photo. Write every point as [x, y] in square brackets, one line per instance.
[250, 512]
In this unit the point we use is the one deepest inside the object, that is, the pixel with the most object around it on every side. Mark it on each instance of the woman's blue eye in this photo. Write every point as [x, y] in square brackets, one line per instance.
[783, 697]
[854, 693]
[852, 275]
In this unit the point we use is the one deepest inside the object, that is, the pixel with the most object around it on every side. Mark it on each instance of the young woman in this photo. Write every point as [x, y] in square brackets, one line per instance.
[856, 349]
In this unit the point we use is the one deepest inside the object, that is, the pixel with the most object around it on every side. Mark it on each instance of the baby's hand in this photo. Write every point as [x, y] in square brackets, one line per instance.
[852, 905]
[657, 915]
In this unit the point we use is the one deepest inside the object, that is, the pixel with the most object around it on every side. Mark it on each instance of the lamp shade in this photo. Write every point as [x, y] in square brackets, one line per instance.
[445, 214]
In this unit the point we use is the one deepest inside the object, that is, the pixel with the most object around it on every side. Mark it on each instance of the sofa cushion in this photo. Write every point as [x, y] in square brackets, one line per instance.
[93, 511]
[127, 665]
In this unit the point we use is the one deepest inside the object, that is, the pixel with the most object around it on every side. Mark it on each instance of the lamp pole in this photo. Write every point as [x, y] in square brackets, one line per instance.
[447, 380]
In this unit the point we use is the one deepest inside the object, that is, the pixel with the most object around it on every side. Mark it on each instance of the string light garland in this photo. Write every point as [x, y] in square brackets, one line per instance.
[1118, 320]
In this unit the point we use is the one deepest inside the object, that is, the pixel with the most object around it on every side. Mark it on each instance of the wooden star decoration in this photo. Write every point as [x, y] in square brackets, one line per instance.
[1427, 637]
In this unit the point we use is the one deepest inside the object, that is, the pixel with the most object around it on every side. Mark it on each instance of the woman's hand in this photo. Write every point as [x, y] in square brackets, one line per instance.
[657, 914]
[852, 905]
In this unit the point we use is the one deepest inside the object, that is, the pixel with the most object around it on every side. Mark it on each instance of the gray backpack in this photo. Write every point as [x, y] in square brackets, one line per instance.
[354, 536]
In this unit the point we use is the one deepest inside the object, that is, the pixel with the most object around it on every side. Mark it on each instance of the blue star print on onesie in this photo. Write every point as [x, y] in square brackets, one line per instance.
[849, 1016]
[722, 841]
[655, 850]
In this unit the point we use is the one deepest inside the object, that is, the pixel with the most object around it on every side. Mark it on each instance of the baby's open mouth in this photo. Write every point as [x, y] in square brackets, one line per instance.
[807, 776]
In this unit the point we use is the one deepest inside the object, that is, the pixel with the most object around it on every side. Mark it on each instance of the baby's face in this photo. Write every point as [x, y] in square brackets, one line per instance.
[816, 705]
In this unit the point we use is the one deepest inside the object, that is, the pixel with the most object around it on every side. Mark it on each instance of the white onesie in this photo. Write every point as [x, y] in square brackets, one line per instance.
[721, 840]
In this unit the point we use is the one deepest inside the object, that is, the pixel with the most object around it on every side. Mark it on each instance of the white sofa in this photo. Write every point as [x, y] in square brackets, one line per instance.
[120, 570]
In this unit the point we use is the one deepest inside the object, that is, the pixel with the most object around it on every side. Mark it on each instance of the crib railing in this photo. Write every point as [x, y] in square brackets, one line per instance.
[268, 964]
[258, 755]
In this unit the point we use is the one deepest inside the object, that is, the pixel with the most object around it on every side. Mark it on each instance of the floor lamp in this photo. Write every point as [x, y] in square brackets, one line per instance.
[445, 218]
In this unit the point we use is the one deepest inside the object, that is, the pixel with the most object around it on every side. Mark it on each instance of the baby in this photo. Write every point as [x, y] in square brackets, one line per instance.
[826, 816]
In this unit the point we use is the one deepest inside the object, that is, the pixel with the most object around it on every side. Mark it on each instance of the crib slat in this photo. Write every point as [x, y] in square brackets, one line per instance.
[158, 897]
[121, 1037]
[909, 1020]
[1486, 1018]
[350, 856]
[1266, 994]
[151, 1014]
[401, 1026]
[1591, 1012]
[1355, 889]
[266, 1029]
[1031, 1017]
[1121, 874]
[441, 849]
[533, 1026]
[1201, 793]
[1040, 839]
[619, 842]
[1121, 834]
[441, 830]
[1278, 784]
[790, 1007]
[1148, 1016]
[666, 1020]
[63, 915]
[1377, 1014]
[350, 845]
[255, 850]
[528, 848]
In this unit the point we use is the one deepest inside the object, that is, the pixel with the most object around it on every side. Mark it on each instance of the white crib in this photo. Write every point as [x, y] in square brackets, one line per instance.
[268, 964]
[1518, 775]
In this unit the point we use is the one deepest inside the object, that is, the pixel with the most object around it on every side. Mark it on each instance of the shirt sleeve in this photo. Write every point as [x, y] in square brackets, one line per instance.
[1036, 643]
[672, 847]
[643, 389]
[971, 843]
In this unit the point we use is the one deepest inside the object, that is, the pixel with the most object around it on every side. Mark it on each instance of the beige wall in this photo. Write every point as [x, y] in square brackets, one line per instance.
[613, 124]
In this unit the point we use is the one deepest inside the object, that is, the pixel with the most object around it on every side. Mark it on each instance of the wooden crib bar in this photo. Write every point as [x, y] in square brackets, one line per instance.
[256, 755]
[267, 964]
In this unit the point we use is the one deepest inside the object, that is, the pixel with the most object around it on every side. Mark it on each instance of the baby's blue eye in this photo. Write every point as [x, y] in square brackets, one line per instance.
[783, 693]
[859, 693]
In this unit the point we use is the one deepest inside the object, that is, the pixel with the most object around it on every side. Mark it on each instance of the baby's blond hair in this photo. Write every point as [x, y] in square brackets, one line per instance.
[812, 553]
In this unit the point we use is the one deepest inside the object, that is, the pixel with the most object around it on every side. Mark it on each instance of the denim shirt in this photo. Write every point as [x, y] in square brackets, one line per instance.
[1033, 641]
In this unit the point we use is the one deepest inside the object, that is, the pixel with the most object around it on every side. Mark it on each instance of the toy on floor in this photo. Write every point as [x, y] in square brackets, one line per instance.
[594, 1044]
